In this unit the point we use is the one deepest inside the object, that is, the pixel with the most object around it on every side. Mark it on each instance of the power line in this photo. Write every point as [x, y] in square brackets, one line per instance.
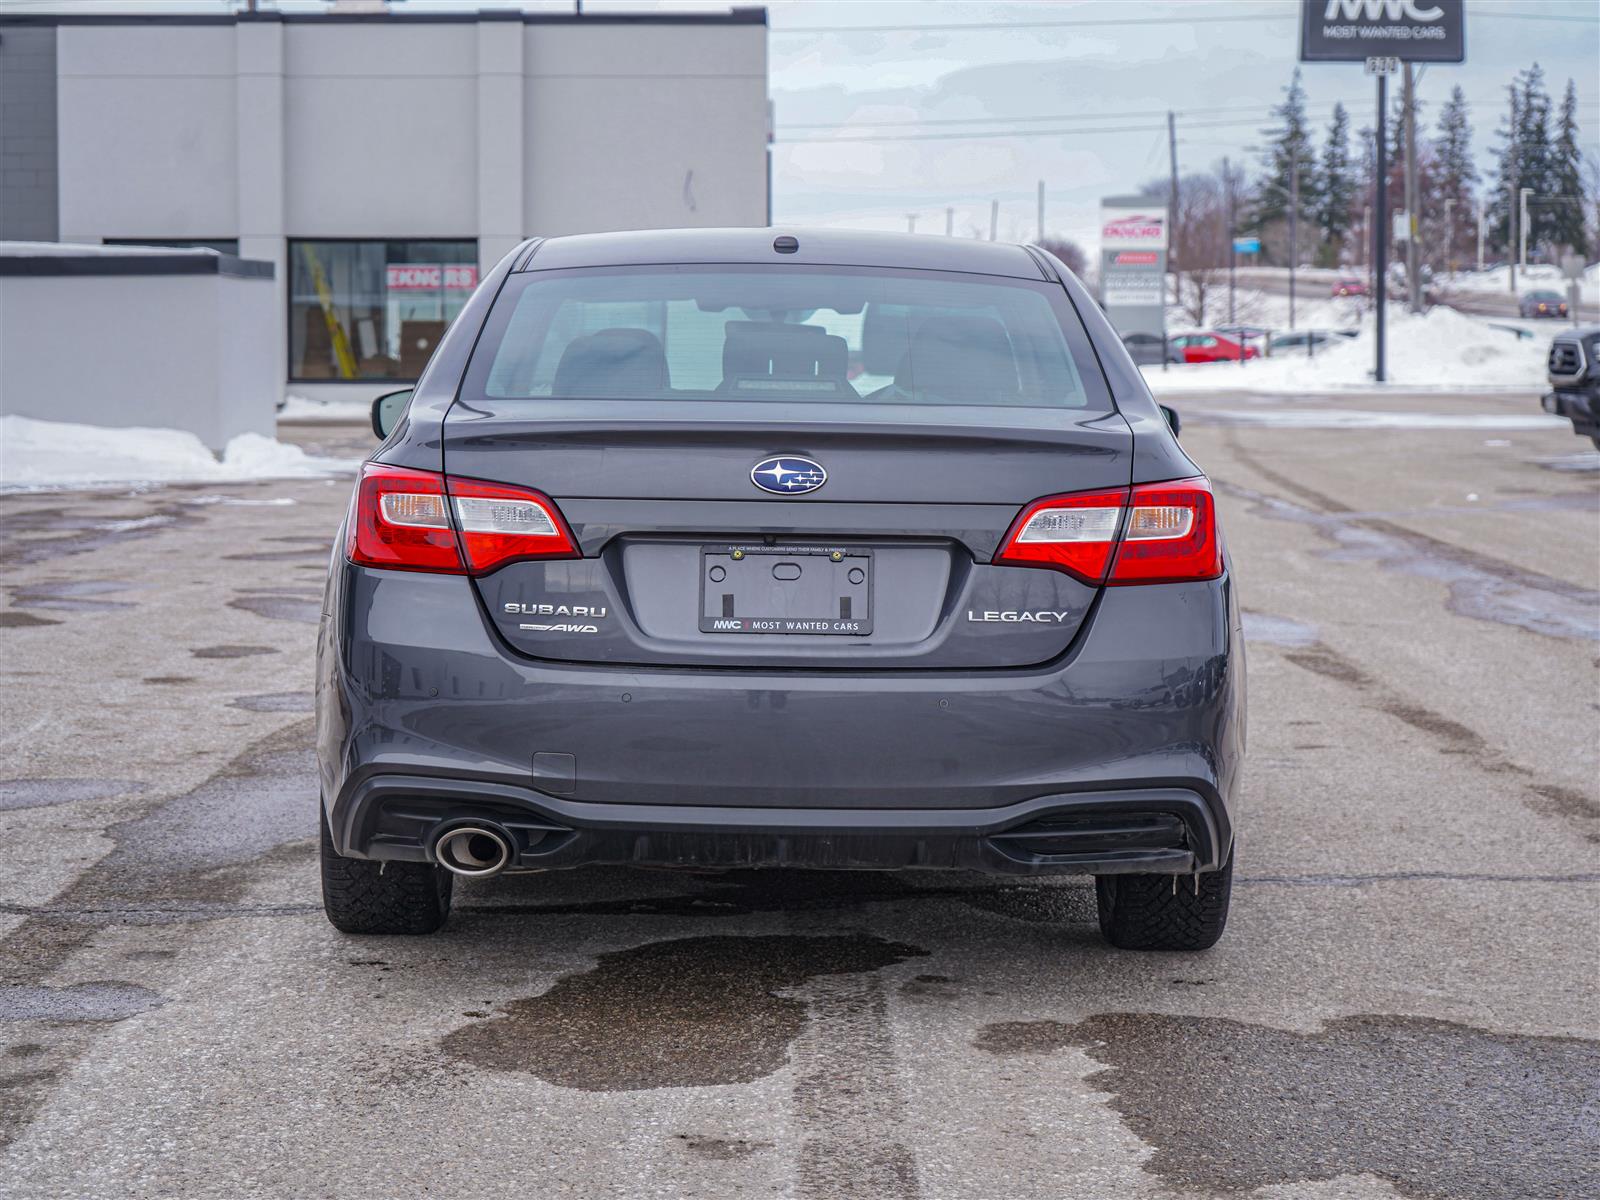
[1076, 23]
[1285, 14]
[1098, 116]
[1012, 133]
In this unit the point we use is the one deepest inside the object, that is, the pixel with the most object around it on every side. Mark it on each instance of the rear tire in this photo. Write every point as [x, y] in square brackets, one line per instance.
[1147, 912]
[382, 897]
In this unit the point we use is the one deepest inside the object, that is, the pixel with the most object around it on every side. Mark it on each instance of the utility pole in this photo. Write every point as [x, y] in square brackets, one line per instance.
[1041, 211]
[1515, 150]
[1522, 222]
[911, 222]
[1380, 235]
[994, 218]
[1450, 236]
[1227, 185]
[1480, 235]
[1413, 284]
[1172, 216]
[1294, 215]
[949, 222]
[1366, 238]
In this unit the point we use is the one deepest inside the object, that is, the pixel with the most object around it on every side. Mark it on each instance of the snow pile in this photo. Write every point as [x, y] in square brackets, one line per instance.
[82, 249]
[1441, 350]
[1534, 277]
[55, 453]
[303, 409]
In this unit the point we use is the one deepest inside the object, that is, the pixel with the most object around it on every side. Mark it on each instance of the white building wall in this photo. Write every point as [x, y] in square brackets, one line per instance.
[642, 126]
[494, 129]
[380, 121]
[161, 351]
[145, 122]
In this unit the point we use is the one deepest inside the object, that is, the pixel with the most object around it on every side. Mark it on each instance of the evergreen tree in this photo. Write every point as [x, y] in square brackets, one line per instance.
[1290, 150]
[1566, 208]
[1525, 162]
[1337, 183]
[1456, 175]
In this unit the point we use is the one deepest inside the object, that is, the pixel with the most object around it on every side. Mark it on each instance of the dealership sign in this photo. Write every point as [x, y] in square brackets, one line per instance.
[1133, 264]
[432, 277]
[1356, 30]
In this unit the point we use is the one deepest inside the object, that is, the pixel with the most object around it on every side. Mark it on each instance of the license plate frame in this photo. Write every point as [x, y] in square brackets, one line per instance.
[750, 580]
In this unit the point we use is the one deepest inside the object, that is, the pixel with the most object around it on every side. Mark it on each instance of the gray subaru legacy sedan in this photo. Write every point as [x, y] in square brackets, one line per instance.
[757, 549]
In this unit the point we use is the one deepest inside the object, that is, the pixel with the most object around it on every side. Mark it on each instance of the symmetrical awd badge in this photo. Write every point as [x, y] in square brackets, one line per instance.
[788, 475]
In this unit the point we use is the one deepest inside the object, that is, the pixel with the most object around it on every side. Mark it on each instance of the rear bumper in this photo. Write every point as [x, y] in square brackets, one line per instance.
[1164, 830]
[1123, 755]
[1581, 408]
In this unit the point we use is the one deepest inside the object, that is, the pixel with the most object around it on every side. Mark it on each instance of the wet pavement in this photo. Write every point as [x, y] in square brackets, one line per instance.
[1404, 1005]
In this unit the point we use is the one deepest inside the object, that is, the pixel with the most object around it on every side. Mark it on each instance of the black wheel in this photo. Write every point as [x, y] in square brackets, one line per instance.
[382, 897]
[1164, 912]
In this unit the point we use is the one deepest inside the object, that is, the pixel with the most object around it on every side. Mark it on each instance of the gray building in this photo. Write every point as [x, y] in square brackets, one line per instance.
[380, 161]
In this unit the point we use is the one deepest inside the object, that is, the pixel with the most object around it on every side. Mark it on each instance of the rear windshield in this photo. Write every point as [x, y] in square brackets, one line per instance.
[787, 336]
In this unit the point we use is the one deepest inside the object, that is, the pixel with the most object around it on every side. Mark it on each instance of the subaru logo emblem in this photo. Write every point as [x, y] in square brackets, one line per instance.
[788, 475]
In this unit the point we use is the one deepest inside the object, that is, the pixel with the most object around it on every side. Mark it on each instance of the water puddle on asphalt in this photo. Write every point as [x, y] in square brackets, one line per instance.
[38, 793]
[1481, 588]
[21, 620]
[231, 651]
[77, 1002]
[694, 1012]
[277, 604]
[1437, 1109]
[1278, 631]
[275, 702]
[39, 534]
[78, 595]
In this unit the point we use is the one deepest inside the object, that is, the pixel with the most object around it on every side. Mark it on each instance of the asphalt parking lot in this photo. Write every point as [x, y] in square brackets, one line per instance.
[1404, 1003]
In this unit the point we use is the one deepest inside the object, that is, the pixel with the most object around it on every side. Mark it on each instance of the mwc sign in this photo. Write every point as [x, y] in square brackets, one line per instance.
[1410, 30]
[431, 277]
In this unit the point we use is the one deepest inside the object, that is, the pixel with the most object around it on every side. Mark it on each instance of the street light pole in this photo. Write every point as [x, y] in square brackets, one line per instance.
[1380, 239]
[1413, 284]
[1227, 184]
[1480, 235]
[1522, 221]
[1450, 237]
[1294, 211]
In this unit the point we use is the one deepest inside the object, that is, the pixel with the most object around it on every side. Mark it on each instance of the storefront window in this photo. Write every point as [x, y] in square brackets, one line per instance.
[373, 310]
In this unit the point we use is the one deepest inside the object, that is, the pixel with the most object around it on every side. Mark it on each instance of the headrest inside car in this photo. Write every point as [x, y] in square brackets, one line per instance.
[615, 364]
[759, 356]
[965, 360]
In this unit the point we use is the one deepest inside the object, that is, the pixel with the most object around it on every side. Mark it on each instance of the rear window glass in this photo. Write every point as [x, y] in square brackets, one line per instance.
[798, 335]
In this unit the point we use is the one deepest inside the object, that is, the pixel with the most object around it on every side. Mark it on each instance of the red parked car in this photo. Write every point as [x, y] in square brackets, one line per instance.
[1210, 348]
[1350, 285]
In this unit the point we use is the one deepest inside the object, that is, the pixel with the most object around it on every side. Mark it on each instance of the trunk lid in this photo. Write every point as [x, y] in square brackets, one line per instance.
[687, 562]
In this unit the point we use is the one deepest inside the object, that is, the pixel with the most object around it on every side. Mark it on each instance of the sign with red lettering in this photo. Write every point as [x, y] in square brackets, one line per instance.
[431, 277]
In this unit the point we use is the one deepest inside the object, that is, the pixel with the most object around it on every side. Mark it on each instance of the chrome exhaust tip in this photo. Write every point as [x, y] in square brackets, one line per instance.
[473, 851]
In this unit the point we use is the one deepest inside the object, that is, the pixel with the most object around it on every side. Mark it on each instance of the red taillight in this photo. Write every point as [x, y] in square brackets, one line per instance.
[1171, 535]
[402, 521]
[1075, 534]
[408, 520]
[1152, 533]
[501, 524]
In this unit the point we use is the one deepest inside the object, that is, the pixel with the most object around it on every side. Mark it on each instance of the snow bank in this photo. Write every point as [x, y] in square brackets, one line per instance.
[1441, 350]
[55, 454]
[306, 410]
[1529, 278]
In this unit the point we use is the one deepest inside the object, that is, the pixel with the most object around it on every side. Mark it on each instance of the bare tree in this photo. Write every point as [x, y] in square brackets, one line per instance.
[1069, 252]
[1201, 246]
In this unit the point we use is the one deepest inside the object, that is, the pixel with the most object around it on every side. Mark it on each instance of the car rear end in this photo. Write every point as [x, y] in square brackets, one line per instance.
[754, 557]
[1574, 373]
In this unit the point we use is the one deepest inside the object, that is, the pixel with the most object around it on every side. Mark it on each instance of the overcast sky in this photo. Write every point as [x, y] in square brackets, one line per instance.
[1105, 88]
